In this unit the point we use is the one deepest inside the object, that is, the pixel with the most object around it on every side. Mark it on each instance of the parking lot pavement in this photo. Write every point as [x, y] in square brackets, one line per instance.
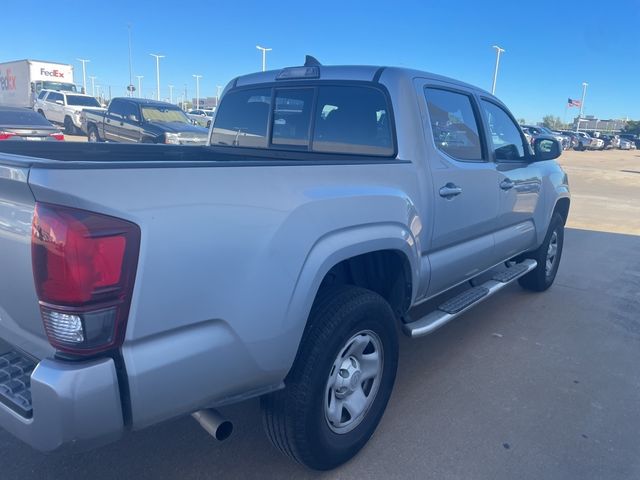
[75, 138]
[525, 386]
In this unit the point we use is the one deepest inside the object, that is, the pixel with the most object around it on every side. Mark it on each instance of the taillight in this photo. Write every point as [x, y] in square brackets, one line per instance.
[84, 265]
[57, 136]
[6, 135]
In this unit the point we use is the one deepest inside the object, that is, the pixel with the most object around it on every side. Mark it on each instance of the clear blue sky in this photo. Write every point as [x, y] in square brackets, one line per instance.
[551, 46]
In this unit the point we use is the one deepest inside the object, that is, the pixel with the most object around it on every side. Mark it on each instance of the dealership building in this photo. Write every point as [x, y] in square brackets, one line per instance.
[591, 123]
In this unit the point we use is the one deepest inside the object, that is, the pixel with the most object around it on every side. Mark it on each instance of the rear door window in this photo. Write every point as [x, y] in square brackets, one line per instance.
[454, 124]
[352, 119]
[243, 118]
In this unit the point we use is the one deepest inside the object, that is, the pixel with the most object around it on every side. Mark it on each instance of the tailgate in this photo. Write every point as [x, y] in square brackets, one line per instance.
[20, 322]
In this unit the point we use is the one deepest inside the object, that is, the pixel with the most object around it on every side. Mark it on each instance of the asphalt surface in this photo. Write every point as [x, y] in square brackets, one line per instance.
[525, 386]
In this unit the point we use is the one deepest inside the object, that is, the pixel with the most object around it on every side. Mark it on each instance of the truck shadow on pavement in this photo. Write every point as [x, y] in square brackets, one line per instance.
[523, 386]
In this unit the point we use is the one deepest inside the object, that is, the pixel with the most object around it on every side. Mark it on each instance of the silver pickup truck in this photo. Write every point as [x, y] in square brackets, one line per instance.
[140, 283]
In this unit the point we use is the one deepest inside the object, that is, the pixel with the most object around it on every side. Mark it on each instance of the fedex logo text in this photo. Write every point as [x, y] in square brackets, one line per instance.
[52, 73]
[7, 81]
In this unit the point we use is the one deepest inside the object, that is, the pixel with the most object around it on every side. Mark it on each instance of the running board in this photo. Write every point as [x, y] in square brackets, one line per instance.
[464, 301]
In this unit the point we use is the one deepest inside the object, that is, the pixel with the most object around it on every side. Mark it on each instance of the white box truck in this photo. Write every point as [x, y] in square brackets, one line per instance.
[22, 80]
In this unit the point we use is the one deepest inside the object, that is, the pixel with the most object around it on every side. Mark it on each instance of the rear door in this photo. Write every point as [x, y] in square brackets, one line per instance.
[465, 186]
[54, 111]
[113, 120]
[520, 181]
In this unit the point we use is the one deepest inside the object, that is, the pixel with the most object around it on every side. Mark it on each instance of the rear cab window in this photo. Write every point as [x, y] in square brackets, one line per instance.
[326, 118]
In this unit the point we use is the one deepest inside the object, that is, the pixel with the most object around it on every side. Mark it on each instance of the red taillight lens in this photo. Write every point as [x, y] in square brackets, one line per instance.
[84, 266]
[57, 136]
[6, 135]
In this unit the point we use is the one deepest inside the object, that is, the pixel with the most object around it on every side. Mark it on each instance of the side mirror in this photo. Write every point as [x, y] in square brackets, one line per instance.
[546, 149]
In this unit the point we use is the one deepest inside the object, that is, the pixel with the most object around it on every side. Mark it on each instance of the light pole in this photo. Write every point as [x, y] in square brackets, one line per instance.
[495, 72]
[170, 93]
[84, 72]
[130, 63]
[264, 56]
[93, 85]
[219, 87]
[140, 77]
[197, 77]
[584, 93]
[158, 57]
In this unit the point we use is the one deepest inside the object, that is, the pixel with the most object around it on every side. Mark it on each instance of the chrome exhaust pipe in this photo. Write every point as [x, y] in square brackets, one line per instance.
[215, 424]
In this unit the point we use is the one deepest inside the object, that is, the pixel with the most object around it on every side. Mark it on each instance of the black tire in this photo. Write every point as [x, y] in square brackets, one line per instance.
[92, 134]
[69, 127]
[295, 418]
[539, 279]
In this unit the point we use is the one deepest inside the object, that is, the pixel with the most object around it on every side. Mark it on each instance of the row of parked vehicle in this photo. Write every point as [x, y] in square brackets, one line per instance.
[582, 141]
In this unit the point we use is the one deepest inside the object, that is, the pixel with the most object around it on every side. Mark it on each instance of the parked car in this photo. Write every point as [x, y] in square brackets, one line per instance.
[626, 144]
[609, 141]
[64, 108]
[539, 131]
[138, 120]
[20, 124]
[586, 142]
[278, 262]
[202, 117]
[632, 137]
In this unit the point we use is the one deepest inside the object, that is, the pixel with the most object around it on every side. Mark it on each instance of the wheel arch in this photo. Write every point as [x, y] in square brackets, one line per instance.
[345, 257]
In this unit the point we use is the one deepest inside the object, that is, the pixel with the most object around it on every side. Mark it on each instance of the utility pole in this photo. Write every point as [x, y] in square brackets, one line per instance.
[130, 63]
[140, 77]
[170, 93]
[93, 85]
[197, 77]
[495, 72]
[158, 57]
[84, 73]
[264, 56]
[584, 93]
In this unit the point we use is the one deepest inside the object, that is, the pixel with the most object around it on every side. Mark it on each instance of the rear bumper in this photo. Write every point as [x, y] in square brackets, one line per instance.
[72, 404]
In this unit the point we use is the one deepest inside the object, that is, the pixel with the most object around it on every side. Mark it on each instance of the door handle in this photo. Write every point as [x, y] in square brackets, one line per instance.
[506, 184]
[108, 121]
[450, 190]
[122, 124]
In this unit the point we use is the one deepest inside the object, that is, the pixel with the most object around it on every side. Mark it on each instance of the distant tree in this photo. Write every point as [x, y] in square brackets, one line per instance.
[554, 123]
[522, 121]
[632, 126]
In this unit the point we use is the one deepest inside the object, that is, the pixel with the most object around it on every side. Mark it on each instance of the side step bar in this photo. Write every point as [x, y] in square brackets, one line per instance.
[464, 301]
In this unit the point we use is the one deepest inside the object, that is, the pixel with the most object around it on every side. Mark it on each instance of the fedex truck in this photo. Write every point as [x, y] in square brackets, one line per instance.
[22, 80]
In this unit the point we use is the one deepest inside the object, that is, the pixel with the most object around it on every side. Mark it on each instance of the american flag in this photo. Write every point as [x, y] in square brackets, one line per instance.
[573, 103]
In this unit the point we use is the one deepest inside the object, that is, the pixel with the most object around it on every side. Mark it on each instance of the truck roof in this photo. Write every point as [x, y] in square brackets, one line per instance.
[144, 101]
[34, 60]
[355, 72]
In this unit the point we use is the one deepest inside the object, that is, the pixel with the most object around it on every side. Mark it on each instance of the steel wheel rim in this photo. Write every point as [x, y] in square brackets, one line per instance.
[552, 253]
[354, 381]
[92, 136]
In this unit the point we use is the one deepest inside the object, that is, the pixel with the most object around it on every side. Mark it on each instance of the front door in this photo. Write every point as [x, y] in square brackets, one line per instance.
[520, 181]
[465, 187]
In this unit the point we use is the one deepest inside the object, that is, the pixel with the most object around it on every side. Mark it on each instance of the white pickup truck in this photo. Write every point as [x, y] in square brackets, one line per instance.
[64, 108]
[145, 282]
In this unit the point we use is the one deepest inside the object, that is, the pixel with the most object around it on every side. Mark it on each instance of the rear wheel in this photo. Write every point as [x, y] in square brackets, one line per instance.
[548, 257]
[92, 134]
[340, 383]
[69, 127]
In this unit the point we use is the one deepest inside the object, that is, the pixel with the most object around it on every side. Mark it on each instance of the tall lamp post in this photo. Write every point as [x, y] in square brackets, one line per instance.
[264, 56]
[93, 85]
[140, 77]
[170, 93]
[495, 71]
[84, 72]
[197, 77]
[584, 93]
[158, 57]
